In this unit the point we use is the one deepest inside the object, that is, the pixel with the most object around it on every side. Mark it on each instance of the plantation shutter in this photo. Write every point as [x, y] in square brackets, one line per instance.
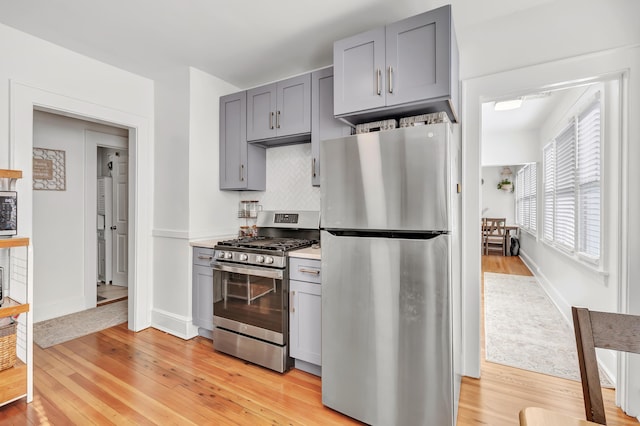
[533, 195]
[519, 195]
[565, 204]
[589, 180]
[548, 166]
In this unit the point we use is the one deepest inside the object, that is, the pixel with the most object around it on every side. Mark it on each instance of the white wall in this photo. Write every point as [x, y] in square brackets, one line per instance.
[35, 72]
[59, 243]
[496, 202]
[513, 147]
[189, 204]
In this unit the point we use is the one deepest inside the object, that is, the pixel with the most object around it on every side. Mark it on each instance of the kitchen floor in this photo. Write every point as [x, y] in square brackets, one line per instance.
[118, 376]
[109, 293]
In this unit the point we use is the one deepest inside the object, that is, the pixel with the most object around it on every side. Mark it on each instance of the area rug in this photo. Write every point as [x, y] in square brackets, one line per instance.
[524, 329]
[58, 330]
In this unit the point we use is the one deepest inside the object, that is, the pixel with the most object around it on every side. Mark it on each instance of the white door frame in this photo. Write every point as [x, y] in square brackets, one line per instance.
[478, 90]
[24, 99]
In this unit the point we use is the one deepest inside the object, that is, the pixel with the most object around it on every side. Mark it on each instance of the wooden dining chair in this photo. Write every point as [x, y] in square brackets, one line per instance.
[495, 235]
[605, 330]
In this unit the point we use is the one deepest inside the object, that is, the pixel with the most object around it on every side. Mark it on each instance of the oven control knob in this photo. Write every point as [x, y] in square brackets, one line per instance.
[268, 260]
[227, 255]
[244, 257]
[259, 259]
[221, 255]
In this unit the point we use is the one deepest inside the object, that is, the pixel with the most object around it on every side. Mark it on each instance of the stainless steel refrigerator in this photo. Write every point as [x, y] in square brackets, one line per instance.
[390, 275]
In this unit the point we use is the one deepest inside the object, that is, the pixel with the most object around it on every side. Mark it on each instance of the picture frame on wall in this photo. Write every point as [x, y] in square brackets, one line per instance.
[49, 173]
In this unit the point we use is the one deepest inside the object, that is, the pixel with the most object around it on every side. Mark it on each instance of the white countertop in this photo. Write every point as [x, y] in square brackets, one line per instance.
[211, 243]
[307, 253]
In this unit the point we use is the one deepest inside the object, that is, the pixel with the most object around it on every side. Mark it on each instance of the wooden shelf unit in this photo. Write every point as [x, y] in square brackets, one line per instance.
[16, 382]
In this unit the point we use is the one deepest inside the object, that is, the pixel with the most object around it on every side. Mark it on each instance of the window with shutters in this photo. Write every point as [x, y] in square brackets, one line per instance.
[526, 197]
[571, 185]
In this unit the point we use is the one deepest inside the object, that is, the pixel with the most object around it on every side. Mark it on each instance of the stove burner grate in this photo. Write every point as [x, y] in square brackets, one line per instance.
[264, 243]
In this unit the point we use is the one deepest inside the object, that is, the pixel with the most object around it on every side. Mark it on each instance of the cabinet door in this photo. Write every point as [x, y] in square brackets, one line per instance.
[233, 141]
[203, 297]
[418, 57]
[323, 125]
[242, 166]
[261, 112]
[293, 112]
[359, 69]
[305, 321]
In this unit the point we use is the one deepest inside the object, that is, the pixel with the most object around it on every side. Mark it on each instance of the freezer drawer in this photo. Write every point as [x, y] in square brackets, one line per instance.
[386, 329]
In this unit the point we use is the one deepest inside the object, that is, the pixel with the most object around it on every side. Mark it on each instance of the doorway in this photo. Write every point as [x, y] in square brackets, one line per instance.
[112, 222]
[561, 229]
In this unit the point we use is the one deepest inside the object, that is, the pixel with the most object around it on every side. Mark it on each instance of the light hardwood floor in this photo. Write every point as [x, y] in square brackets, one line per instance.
[120, 377]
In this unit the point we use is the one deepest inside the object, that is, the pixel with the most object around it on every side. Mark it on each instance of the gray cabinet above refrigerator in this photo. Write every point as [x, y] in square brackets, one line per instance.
[406, 68]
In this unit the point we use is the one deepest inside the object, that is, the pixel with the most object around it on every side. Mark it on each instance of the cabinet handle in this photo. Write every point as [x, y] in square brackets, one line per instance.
[313, 166]
[271, 120]
[278, 120]
[378, 81]
[309, 271]
[201, 257]
[292, 308]
[241, 172]
[390, 79]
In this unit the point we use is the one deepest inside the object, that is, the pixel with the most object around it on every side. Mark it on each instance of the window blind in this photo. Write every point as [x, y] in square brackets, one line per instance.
[565, 171]
[548, 203]
[526, 199]
[588, 179]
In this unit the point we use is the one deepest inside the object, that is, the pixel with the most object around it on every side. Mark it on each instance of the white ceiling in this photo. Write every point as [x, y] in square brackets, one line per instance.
[244, 42]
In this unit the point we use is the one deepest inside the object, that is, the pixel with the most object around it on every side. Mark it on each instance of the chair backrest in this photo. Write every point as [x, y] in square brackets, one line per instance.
[605, 330]
[495, 226]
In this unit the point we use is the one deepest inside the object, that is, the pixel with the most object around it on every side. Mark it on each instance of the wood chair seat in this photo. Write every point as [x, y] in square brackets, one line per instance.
[535, 416]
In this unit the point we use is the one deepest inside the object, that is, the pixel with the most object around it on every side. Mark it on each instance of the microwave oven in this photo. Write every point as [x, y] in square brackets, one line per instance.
[8, 213]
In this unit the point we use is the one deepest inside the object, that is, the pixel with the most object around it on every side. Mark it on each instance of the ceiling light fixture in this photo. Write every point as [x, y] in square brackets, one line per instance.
[508, 105]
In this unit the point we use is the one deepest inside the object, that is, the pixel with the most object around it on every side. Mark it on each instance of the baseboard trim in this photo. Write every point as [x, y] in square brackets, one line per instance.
[176, 325]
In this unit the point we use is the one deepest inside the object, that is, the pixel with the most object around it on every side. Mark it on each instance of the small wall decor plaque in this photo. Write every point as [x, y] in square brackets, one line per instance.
[49, 170]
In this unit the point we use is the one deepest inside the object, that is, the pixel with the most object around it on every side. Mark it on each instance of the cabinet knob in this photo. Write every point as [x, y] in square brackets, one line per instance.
[271, 120]
[378, 81]
[390, 79]
[313, 166]
[278, 120]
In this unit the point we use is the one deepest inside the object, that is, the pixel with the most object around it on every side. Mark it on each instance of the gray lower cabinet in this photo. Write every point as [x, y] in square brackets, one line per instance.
[305, 314]
[280, 110]
[408, 67]
[242, 166]
[323, 124]
[202, 292]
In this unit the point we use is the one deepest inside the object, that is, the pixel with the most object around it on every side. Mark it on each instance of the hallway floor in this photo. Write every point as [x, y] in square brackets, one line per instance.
[109, 293]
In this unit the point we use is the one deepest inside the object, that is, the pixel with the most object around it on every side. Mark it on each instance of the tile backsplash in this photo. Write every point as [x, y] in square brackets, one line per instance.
[288, 180]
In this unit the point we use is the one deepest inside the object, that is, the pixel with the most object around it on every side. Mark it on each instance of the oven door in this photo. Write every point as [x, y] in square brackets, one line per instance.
[250, 300]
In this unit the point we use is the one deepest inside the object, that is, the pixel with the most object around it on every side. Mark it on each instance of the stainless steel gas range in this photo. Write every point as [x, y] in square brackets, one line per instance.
[251, 288]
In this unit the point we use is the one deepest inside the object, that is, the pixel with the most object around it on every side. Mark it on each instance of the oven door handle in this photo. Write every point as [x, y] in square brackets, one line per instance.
[258, 272]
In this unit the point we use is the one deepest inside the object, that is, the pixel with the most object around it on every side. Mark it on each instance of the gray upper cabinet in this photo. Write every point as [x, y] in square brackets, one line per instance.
[280, 110]
[242, 166]
[359, 63]
[406, 68]
[323, 124]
